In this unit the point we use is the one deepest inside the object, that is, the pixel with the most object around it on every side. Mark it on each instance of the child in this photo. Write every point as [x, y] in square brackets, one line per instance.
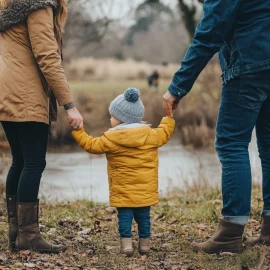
[131, 149]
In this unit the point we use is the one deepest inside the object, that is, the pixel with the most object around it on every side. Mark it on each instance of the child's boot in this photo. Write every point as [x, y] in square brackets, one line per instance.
[126, 246]
[144, 246]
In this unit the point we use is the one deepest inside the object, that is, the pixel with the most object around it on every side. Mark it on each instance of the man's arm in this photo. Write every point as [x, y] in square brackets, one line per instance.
[210, 34]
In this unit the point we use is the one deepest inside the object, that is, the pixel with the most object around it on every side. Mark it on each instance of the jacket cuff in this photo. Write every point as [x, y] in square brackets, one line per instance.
[168, 120]
[64, 99]
[175, 91]
[76, 132]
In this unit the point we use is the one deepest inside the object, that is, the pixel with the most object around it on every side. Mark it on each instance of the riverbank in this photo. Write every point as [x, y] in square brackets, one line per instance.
[76, 175]
[90, 232]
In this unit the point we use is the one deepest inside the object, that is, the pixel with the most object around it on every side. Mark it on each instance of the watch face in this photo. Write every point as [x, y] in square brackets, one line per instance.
[69, 106]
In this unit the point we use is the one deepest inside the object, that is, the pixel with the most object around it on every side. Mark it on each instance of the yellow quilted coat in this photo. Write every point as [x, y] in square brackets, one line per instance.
[132, 154]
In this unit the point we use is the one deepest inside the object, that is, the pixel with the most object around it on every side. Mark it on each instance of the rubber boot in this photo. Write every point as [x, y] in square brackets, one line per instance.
[264, 238]
[29, 236]
[144, 246]
[126, 246]
[228, 238]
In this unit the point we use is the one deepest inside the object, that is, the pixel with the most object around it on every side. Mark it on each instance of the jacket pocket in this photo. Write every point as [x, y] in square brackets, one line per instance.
[252, 42]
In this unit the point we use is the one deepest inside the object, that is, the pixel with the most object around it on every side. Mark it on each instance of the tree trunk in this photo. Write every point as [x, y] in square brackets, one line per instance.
[188, 13]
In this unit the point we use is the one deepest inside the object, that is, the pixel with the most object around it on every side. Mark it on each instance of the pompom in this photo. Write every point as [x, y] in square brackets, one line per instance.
[132, 94]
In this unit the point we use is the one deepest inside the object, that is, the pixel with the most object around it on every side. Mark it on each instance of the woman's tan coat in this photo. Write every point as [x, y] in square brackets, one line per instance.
[27, 50]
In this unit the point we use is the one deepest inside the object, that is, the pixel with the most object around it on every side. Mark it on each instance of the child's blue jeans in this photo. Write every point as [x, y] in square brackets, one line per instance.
[141, 215]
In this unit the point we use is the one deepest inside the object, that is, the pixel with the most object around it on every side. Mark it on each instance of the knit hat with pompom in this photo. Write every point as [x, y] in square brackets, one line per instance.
[128, 107]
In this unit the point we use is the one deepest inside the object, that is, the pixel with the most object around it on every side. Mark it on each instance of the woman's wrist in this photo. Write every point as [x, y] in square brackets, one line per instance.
[69, 106]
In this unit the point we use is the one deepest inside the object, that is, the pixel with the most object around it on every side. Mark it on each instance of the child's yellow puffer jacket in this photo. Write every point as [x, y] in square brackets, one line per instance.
[132, 154]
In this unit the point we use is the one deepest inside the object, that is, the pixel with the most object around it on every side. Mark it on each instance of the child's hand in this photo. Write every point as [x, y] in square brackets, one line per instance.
[74, 118]
[170, 103]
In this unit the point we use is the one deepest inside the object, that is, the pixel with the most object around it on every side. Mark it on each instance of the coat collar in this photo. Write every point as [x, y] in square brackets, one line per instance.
[18, 11]
[128, 126]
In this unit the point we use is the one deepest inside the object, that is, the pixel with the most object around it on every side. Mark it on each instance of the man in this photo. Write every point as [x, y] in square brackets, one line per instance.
[240, 31]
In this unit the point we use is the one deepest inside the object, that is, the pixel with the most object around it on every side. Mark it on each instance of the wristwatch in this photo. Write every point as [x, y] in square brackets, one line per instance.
[69, 106]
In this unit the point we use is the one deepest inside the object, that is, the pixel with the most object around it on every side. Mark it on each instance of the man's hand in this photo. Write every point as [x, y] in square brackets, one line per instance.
[170, 103]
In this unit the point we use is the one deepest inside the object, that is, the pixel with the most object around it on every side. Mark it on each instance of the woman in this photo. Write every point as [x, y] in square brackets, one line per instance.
[32, 79]
[240, 31]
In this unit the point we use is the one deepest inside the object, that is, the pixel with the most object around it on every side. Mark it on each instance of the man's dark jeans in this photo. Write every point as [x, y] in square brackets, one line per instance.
[245, 104]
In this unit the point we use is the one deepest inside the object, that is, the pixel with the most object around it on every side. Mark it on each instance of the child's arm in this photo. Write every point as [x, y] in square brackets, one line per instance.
[90, 144]
[165, 130]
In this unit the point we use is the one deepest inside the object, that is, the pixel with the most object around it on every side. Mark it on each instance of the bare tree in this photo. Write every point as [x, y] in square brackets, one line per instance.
[188, 13]
[145, 15]
[87, 23]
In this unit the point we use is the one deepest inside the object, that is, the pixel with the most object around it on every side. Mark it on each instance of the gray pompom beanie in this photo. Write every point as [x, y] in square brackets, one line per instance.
[128, 107]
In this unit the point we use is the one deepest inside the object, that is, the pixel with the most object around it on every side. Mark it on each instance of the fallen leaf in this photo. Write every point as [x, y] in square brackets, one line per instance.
[91, 252]
[3, 257]
[110, 210]
[201, 227]
[29, 265]
[52, 231]
[227, 254]
[60, 263]
[160, 216]
[79, 224]
[42, 227]
[109, 248]
[143, 258]
[24, 254]
[40, 259]
[172, 220]
[85, 232]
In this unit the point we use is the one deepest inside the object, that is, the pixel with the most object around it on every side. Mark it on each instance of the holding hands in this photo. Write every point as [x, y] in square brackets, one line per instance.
[75, 119]
[170, 103]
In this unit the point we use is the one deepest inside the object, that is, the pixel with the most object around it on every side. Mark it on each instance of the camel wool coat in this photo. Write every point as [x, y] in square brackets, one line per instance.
[132, 154]
[30, 62]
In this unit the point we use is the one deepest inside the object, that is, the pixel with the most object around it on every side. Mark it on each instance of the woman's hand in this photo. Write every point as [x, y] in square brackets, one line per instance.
[74, 118]
[170, 103]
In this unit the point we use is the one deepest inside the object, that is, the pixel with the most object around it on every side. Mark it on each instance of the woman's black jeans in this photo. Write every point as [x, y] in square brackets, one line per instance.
[28, 143]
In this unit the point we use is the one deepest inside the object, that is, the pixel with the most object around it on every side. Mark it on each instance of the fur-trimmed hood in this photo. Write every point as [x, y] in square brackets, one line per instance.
[18, 11]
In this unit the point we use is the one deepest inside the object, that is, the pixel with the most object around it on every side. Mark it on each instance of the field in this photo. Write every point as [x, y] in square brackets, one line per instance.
[89, 230]
[90, 233]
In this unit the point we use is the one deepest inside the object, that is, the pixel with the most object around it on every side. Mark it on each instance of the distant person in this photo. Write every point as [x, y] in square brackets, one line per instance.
[153, 79]
[31, 80]
[131, 148]
[240, 31]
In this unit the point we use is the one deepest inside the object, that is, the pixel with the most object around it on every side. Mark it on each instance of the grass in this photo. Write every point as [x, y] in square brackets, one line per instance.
[111, 88]
[90, 232]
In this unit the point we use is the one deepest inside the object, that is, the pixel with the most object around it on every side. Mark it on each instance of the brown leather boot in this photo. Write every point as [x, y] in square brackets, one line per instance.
[12, 220]
[228, 238]
[144, 246]
[264, 238]
[126, 246]
[29, 236]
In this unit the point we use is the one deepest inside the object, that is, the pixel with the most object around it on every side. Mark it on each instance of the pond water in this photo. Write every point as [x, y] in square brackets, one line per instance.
[71, 176]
